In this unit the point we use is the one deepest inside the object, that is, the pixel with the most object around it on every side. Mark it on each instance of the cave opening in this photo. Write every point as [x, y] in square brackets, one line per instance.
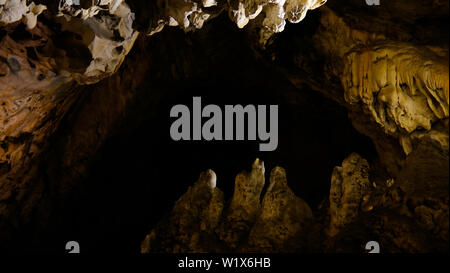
[140, 171]
[87, 153]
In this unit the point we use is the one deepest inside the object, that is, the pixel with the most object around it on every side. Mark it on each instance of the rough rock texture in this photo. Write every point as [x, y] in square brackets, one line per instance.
[403, 88]
[93, 39]
[197, 224]
[105, 29]
[393, 79]
[282, 224]
[364, 205]
[349, 187]
[275, 13]
[12, 11]
[245, 205]
[376, 72]
[38, 67]
[270, 16]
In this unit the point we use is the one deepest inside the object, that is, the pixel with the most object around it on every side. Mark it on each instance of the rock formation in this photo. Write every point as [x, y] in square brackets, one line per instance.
[284, 218]
[199, 222]
[192, 220]
[375, 71]
[16, 10]
[361, 206]
[72, 73]
[349, 188]
[245, 205]
[270, 16]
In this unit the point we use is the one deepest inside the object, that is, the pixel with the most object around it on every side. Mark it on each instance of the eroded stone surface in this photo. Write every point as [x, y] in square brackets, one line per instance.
[282, 224]
[392, 77]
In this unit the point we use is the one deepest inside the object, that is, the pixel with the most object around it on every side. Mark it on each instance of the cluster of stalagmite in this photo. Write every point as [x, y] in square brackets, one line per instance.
[103, 30]
[201, 222]
[361, 207]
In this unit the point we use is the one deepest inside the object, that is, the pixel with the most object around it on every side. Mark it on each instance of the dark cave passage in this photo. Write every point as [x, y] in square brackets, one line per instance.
[140, 172]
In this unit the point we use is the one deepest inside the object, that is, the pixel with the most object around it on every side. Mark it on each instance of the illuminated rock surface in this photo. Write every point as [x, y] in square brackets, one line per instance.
[197, 224]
